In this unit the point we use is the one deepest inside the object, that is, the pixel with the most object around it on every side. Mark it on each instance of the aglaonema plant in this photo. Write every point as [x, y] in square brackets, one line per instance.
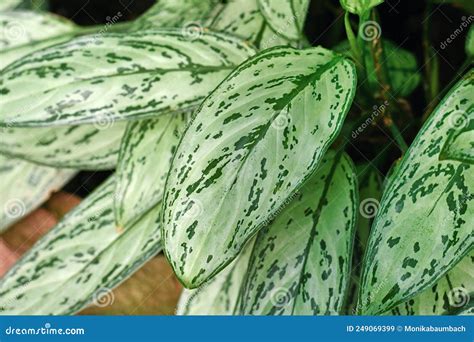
[229, 136]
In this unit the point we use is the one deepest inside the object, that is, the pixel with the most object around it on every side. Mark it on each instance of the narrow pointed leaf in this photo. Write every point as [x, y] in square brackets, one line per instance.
[22, 32]
[460, 143]
[251, 145]
[286, 17]
[370, 191]
[116, 77]
[301, 262]
[79, 261]
[359, 6]
[218, 296]
[450, 294]
[145, 159]
[424, 223]
[25, 186]
[85, 147]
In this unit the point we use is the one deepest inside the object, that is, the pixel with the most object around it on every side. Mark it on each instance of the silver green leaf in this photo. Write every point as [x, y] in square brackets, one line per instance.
[359, 7]
[251, 145]
[116, 77]
[218, 296]
[86, 147]
[450, 294]
[460, 142]
[300, 264]
[249, 24]
[80, 260]
[22, 32]
[25, 186]
[424, 224]
[187, 14]
[370, 191]
[145, 158]
[286, 17]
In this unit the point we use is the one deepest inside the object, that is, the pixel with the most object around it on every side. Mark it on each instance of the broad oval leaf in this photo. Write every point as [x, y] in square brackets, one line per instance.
[286, 17]
[145, 158]
[301, 262]
[22, 32]
[460, 143]
[424, 223]
[85, 147]
[249, 24]
[25, 186]
[218, 296]
[116, 77]
[450, 294]
[251, 145]
[84, 256]
[359, 6]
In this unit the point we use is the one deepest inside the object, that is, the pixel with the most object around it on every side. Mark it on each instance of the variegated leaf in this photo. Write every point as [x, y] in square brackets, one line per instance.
[402, 69]
[218, 296]
[460, 143]
[147, 149]
[450, 294]
[424, 223]
[370, 191]
[251, 145]
[79, 261]
[359, 6]
[85, 147]
[24, 186]
[249, 24]
[187, 14]
[116, 77]
[301, 262]
[286, 17]
[22, 32]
